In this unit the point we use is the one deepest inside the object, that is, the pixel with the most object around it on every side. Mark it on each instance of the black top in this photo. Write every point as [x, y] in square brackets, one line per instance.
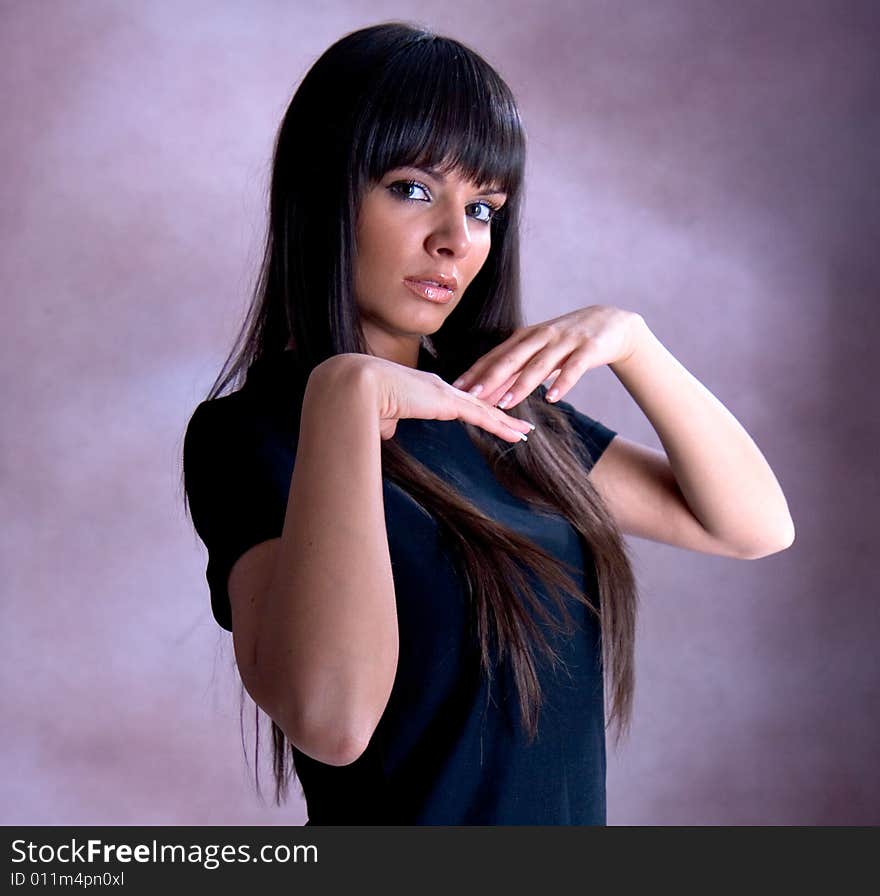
[442, 753]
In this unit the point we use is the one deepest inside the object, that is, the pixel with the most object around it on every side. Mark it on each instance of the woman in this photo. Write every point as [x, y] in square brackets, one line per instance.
[415, 545]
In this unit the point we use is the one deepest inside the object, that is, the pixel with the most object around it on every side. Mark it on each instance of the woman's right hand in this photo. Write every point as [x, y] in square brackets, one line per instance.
[403, 392]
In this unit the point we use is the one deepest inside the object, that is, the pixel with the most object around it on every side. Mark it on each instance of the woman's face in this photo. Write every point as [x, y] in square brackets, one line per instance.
[416, 224]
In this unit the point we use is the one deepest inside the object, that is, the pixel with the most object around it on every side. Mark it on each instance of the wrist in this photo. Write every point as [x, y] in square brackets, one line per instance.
[640, 334]
[342, 385]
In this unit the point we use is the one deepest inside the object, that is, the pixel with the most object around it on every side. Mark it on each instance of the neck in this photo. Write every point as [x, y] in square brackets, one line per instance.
[400, 349]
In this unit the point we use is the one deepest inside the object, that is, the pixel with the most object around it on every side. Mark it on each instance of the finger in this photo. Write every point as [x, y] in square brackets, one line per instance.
[493, 420]
[489, 382]
[572, 371]
[491, 398]
[533, 375]
[480, 405]
[552, 378]
[497, 394]
[504, 360]
[474, 374]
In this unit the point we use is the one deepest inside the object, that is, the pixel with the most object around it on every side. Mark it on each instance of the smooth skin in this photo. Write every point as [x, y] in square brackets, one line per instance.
[316, 638]
[712, 491]
[314, 615]
[412, 222]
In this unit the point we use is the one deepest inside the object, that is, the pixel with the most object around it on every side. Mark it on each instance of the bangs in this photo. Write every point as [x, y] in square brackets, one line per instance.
[438, 105]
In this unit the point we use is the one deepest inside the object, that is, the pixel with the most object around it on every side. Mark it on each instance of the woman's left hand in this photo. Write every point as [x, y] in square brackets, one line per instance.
[568, 346]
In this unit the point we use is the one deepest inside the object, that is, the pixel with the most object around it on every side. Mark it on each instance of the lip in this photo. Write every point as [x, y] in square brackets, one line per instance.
[428, 290]
[441, 279]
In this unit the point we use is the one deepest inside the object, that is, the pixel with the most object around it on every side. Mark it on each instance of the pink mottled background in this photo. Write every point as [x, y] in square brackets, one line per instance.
[712, 165]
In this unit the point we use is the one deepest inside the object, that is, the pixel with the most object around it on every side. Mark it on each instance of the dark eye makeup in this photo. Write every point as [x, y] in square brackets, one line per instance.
[406, 185]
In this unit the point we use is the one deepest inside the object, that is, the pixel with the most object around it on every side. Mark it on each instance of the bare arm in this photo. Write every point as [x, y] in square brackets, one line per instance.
[327, 639]
[716, 492]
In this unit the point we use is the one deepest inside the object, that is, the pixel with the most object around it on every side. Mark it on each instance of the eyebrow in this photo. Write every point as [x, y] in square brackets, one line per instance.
[438, 175]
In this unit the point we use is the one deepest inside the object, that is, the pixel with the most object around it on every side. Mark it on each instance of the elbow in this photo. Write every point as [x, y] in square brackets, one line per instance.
[782, 541]
[351, 749]
[330, 744]
[335, 746]
[331, 721]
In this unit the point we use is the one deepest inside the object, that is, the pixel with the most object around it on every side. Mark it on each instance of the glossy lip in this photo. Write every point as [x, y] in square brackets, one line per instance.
[438, 294]
[446, 280]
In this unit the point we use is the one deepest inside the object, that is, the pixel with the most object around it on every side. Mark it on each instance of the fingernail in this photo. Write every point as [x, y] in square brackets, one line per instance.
[476, 390]
[552, 394]
[530, 424]
[522, 435]
[457, 384]
[506, 400]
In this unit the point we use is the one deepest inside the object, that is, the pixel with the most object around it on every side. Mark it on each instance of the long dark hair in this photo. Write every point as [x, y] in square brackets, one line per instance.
[387, 96]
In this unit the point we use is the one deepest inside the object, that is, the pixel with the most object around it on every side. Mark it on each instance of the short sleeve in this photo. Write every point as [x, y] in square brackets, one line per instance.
[237, 483]
[593, 436]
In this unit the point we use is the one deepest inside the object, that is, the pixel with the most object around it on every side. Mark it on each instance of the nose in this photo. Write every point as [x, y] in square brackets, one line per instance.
[450, 236]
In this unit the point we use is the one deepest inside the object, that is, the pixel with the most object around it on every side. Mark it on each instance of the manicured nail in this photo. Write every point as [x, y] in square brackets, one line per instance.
[506, 400]
[457, 384]
[552, 394]
[522, 435]
[530, 424]
[476, 390]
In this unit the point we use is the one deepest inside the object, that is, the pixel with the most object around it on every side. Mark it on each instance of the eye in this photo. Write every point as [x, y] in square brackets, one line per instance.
[492, 211]
[406, 186]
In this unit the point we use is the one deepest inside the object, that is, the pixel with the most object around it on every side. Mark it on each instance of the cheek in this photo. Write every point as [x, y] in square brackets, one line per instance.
[383, 235]
[479, 258]
[373, 266]
[370, 259]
